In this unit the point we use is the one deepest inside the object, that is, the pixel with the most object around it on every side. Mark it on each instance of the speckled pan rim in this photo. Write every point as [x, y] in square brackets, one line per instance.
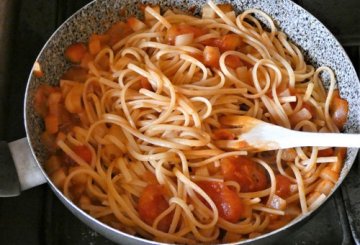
[344, 172]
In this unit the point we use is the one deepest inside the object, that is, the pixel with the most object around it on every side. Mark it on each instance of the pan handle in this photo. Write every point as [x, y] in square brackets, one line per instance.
[18, 169]
[9, 181]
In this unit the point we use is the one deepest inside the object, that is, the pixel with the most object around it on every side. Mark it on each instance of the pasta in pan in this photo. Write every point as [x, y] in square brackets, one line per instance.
[131, 128]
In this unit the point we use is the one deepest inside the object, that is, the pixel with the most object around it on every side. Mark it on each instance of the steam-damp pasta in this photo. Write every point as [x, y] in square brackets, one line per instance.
[131, 128]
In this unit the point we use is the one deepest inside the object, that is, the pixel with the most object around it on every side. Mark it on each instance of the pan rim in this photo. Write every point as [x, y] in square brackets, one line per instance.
[85, 215]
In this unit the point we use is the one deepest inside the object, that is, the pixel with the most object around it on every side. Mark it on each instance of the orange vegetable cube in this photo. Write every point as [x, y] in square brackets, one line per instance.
[75, 52]
[211, 56]
[52, 124]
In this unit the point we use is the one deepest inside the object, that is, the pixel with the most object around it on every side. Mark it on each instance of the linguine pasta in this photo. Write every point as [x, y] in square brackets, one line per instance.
[131, 127]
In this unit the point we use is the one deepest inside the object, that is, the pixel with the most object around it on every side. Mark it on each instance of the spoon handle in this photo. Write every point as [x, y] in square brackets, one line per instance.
[295, 139]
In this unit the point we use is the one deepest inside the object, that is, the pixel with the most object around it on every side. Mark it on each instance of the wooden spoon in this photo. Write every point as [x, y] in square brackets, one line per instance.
[256, 135]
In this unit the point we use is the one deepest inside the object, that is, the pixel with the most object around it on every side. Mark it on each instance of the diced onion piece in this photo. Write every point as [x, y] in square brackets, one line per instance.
[278, 203]
[179, 29]
[208, 12]
[312, 197]
[136, 24]
[303, 114]
[293, 188]
[287, 108]
[268, 210]
[325, 187]
[254, 200]
[37, 70]
[287, 99]
[285, 93]
[316, 202]
[184, 39]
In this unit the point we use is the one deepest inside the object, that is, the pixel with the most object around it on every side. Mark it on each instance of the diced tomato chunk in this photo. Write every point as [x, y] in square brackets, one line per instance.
[40, 100]
[282, 186]
[51, 124]
[76, 73]
[339, 109]
[151, 204]
[135, 24]
[86, 60]
[227, 42]
[144, 82]
[214, 42]
[225, 7]
[233, 61]
[118, 31]
[75, 52]
[176, 30]
[308, 106]
[211, 56]
[230, 42]
[250, 175]
[94, 44]
[150, 178]
[54, 105]
[223, 134]
[228, 203]
[83, 152]
[288, 155]
[49, 140]
[326, 152]
[341, 153]
[199, 57]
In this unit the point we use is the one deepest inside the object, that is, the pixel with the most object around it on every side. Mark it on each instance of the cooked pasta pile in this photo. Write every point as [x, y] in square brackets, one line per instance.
[131, 129]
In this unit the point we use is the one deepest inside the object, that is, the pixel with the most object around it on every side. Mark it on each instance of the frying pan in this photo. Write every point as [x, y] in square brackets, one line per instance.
[28, 154]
